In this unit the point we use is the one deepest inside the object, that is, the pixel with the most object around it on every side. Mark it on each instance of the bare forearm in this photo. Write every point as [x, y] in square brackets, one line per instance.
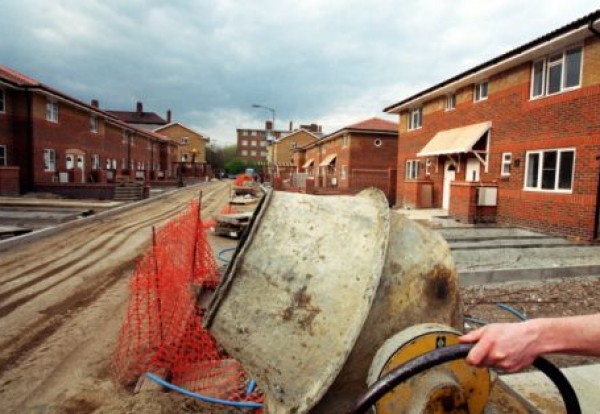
[573, 335]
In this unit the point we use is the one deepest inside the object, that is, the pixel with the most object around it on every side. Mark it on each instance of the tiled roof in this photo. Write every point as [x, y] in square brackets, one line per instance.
[579, 23]
[375, 124]
[133, 117]
[17, 78]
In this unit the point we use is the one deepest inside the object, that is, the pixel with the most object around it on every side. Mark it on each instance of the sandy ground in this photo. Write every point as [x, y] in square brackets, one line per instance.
[63, 299]
[62, 302]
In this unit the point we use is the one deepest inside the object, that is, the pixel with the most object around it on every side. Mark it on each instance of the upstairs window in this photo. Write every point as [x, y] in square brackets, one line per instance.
[450, 102]
[481, 91]
[550, 170]
[2, 100]
[415, 118]
[93, 123]
[185, 140]
[344, 140]
[412, 169]
[557, 73]
[51, 111]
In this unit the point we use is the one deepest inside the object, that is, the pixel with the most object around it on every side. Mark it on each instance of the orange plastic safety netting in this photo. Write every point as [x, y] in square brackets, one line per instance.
[162, 332]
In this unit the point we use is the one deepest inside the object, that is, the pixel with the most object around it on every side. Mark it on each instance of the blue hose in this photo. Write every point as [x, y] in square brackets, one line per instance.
[513, 311]
[239, 404]
[223, 251]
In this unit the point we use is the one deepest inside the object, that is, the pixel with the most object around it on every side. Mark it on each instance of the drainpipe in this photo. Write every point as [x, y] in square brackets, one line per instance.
[29, 161]
[592, 29]
[597, 215]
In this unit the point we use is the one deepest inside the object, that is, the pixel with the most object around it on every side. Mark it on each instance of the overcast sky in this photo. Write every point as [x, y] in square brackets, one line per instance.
[333, 62]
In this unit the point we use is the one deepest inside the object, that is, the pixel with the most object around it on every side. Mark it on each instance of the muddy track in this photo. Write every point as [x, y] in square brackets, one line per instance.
[47, 283]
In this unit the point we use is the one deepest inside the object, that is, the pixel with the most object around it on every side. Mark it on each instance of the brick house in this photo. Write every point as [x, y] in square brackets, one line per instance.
[52, 142]
[284, 147]
[141, 119]
[191, 149]
[515, 140]
[351, 159]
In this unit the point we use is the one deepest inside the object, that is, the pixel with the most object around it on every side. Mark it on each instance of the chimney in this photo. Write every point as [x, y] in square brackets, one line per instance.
[95, 103]
[168, 116]
[139, 108]
[291, 126]
[269, 125]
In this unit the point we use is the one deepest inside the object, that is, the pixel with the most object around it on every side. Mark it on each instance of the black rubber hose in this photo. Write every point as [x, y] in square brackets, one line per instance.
[451, 353]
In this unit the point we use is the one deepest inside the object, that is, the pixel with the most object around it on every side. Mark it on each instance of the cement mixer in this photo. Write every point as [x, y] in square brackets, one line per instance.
[327, 300]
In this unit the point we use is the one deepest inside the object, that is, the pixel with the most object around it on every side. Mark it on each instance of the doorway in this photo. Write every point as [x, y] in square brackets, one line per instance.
[449, 176]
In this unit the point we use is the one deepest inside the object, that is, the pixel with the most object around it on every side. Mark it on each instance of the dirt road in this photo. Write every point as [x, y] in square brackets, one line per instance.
[62, 301]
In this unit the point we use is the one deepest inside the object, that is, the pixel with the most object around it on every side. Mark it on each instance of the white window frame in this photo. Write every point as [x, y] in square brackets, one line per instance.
[52, 110]
[540, 86]
[244, 143]
[3, 155]
[244, 153]
[253, 143]
[2, 101]
[253, 153]
[412, 169]
[49, 159]
[506, 164]
[185, 140]
[450, 103]
[263, 143]
[95, 162]
[539, 171]
[378, 142]
[415, 118]
[345, 140]
[428, 167]
[94, 123]
[481, 91]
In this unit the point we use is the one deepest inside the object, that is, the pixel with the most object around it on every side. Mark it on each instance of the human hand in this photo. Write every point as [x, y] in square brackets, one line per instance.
[510, 347]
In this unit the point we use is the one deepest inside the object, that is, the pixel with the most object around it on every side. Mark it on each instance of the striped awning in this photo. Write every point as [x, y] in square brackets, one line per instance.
[309, 163]
[328, 160]
[455, 141]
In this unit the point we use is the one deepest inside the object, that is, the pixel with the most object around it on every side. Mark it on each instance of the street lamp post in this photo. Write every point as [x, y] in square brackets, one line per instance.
[272, 134]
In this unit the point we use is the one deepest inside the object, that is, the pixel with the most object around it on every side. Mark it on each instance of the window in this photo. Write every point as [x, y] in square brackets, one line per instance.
[93, 123]
[253, 153]
[481, 91]
[263, 153]
[345, 140]
[263, 143]
[506, 162]
[253, 143]
[412, 169]
[244, 142]
[244, 153]
[3, 155]
[69, 162]
[254, 133]
[557, 73]
[51, 111]
[378, 142]
[450, 102]
[184, 157]
[95, 162]
[428, 167]
[123, 164]
[49, 160]
[550, 170]
[415, 118]
[2, 100]
[126, 137]
[185, 140]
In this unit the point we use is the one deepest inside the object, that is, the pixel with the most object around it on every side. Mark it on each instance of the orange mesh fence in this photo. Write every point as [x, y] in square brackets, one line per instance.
[162, 332]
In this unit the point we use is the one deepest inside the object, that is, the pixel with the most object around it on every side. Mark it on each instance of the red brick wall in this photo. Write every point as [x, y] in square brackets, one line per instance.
[9, 181]
[570, 119]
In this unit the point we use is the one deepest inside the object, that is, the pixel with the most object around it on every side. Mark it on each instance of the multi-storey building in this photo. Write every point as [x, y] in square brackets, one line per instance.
[252, 144]
[515, 140]
[52, 142]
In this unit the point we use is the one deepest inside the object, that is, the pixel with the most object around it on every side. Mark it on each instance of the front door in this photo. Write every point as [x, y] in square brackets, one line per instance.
[449, 176]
